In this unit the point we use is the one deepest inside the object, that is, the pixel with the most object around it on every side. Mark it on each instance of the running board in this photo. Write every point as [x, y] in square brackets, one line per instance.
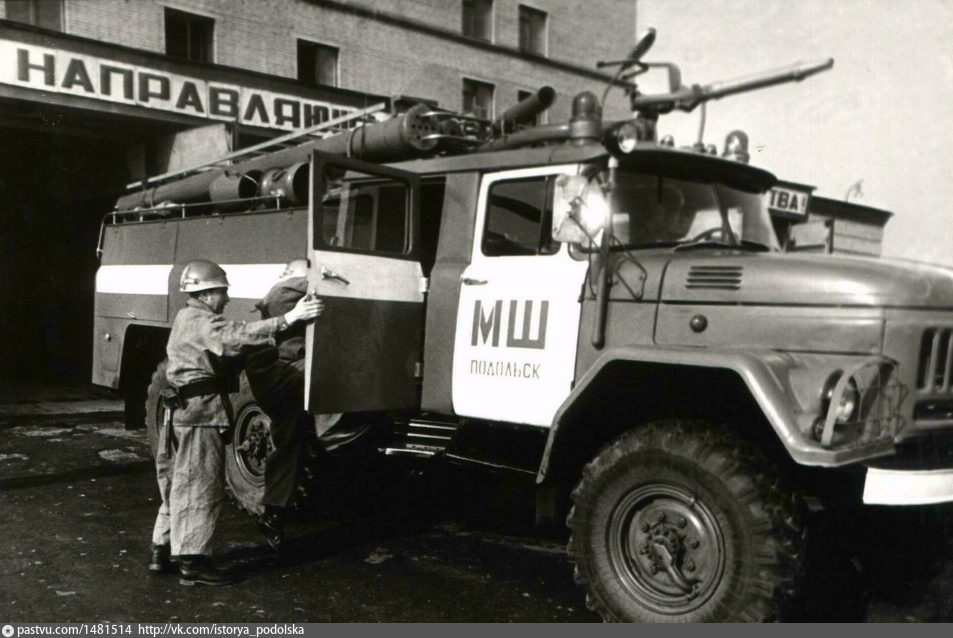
[395, 451]
[419, 438]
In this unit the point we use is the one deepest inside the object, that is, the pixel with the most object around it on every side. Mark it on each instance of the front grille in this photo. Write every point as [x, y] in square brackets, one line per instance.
[936, 360]
[714, 277]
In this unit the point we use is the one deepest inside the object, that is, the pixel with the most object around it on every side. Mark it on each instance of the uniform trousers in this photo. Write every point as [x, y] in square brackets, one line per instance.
[278, 386]
[192, 486]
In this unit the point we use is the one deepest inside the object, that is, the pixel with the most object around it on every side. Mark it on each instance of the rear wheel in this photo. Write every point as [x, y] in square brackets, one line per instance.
[247, 453]
[679, 521]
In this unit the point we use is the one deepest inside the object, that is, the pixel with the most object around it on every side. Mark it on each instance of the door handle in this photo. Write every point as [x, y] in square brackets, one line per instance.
[467, 281]
[330, 274]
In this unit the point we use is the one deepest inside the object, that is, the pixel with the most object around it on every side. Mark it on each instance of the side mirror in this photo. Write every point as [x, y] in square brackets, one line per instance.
[579, 210]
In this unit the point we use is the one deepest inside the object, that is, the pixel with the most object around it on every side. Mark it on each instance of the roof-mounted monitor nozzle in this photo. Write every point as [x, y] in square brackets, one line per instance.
[686, 98]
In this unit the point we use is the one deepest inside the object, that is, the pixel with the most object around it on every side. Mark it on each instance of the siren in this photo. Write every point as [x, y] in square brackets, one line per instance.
[736, 147]
[586, 121]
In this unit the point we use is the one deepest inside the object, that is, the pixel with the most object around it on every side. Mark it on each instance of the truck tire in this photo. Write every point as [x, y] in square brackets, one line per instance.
[244, 464]
[247, 450]
[680, 521]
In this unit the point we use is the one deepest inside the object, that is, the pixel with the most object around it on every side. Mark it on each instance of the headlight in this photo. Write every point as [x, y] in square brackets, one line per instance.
[626, 137]
[846, 407]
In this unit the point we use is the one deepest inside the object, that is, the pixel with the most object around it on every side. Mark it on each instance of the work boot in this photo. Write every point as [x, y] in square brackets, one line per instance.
[161, 561]
[272, 526]
[199, 570]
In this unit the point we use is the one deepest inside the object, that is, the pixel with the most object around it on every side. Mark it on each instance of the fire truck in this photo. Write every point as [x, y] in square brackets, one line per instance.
[578, 302]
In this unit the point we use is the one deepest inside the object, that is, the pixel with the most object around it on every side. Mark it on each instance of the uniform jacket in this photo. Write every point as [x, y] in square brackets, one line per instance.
[198, 348]
[280, 299]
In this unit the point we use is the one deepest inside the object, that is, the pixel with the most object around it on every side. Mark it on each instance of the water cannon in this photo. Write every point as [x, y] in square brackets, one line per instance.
[686, 98]
[623, 136]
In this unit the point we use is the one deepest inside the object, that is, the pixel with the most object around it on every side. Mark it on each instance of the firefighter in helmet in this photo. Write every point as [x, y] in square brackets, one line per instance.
[276, 377]
[203, 350]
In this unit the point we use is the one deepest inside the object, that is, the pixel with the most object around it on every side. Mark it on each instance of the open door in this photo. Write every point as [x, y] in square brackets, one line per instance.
[365, 351]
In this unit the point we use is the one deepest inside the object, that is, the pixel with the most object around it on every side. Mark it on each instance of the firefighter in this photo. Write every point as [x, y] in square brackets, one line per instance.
[276, 377]
[203, 351]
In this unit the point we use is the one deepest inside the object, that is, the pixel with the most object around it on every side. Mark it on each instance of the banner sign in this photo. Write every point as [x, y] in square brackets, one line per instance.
[44, 69]
[788, 201]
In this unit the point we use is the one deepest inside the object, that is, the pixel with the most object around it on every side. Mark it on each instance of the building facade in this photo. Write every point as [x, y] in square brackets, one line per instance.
[96, 94]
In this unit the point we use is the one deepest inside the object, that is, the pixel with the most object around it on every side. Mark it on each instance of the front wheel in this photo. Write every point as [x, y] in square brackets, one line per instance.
[680, 521]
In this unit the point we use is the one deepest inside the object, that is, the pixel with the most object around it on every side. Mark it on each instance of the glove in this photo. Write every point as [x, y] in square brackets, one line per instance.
[305, 310]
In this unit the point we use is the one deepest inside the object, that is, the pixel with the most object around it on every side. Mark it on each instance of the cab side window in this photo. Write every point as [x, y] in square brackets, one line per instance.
[519, 218]
[367, 214]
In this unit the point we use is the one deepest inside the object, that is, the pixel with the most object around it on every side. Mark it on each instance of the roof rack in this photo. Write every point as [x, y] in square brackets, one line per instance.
[295, 138]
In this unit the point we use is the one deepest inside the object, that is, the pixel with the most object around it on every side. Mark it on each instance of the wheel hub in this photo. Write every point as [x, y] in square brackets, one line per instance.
[671, 551]
[253, 442]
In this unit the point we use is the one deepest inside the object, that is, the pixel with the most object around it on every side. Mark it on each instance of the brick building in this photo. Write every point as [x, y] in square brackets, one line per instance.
[95, 94]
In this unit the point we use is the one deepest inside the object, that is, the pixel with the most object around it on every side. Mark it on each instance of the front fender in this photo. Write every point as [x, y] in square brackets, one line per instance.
[776, 381]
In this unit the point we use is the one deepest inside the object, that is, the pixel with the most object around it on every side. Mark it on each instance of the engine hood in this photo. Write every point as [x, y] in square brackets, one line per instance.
[828, 280]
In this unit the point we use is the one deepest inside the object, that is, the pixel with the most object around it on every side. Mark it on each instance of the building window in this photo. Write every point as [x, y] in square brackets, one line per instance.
[188, 35]
[47, 14]
[317, 63]
[478, 98]
[532, 30]
[478, 19]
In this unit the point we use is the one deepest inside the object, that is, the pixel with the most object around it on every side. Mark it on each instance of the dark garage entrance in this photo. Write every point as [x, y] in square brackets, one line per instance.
[54, 190]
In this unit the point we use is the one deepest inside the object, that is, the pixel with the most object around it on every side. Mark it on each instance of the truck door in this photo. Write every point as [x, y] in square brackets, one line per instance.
[364, 352]
[518, 318]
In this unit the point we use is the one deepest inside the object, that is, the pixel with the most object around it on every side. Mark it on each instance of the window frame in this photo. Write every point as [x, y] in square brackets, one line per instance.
[410, 181]
[545, 222]
[315, 46]
[531, 14]
[32, 7]
[491, 111]
[490, 20]
[191, 17]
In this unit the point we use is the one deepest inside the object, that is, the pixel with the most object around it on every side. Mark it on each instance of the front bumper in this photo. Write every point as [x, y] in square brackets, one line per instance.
[908, 487]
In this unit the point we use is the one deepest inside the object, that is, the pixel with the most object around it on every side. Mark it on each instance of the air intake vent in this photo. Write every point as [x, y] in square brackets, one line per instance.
[935, 370]
[714, 278]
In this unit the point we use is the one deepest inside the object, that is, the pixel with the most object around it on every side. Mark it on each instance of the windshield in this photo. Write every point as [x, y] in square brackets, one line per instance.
[654, 209]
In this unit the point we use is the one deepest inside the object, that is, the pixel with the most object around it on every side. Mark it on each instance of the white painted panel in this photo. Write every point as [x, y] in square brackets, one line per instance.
[910, 487]
[516, 375]
[368, 276]
[134, 280]
[252, 281]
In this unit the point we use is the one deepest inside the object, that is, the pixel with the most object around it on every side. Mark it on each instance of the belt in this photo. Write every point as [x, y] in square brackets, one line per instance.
[215, 385]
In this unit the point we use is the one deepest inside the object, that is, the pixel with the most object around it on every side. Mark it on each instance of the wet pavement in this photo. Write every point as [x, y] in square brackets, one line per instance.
[78, 499]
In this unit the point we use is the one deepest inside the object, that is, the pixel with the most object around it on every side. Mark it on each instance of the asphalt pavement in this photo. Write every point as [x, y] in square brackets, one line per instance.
[78, 499]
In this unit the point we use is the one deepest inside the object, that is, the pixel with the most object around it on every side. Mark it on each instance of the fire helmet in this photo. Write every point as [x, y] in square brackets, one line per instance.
[202, 274]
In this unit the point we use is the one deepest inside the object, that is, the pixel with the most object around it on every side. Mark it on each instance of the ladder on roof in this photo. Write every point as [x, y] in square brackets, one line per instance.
[295, 138]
